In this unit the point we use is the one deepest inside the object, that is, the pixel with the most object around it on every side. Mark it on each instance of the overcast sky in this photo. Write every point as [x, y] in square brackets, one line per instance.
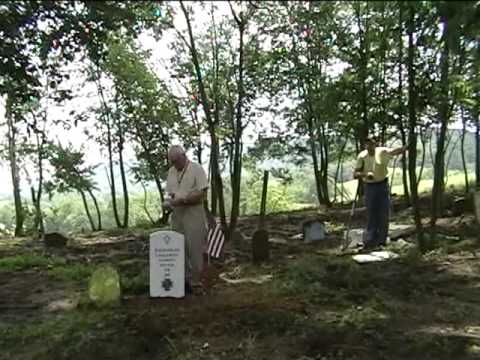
[86, 95]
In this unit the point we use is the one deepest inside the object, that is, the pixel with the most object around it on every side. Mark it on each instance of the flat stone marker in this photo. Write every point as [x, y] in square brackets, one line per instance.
[167, 264]
[375, 256]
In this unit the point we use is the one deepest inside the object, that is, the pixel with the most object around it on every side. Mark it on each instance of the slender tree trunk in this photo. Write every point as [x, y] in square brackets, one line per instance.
[97, 209]
[87, 211]
[213, 190]
[37, 194]
[363, 127]
[313, 150]
[337, 171]
[39, 225]
[404, 158]
[14, 169]
[439, 170]
[476, 113]
[462, 149]
[412, 120]
[113, 191]
[124, 179]
[106, 116]
[364, 57]
[401, 108]
[422, 163]
[145, 203]
[210, 124]
[449, 158]
[238, 131]
[343, 184]
[324, 168]
[477, 149]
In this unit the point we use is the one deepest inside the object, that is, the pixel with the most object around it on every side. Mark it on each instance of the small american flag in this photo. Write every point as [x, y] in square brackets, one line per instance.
[215, 241]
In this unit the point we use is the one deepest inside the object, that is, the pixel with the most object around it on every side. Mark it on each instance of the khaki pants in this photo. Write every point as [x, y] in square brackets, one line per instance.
[191, 222]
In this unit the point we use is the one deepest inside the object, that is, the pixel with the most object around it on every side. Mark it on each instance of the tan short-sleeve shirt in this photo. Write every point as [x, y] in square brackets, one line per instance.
[192, 178]
[376, 164]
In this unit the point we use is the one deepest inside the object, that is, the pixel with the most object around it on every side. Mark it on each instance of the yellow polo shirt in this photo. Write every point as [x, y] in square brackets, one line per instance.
[376, 164]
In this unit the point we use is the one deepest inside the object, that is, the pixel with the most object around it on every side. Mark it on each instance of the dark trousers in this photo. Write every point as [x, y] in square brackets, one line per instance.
[377, 201]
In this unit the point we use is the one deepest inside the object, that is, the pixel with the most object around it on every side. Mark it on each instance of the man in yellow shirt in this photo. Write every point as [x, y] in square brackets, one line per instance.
[187, 185]
[372, 169]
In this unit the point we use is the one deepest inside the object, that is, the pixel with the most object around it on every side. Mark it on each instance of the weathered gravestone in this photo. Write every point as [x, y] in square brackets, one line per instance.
[260, 246]
[167, 264]
[356, 237]
[55, 240]
[104, 287]
[313, 230]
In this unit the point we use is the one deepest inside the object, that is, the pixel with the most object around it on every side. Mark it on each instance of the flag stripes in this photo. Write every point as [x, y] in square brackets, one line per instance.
[215, 241]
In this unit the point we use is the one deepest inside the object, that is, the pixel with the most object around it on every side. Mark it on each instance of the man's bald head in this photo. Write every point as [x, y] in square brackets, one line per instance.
[177, 156]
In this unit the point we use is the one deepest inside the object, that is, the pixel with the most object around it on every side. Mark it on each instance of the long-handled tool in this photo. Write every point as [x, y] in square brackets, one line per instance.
[347, 240]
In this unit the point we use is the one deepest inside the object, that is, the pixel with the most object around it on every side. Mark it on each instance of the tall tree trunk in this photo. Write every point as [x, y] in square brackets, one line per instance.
[423, 139]
[123, 177]
[145, 203]
[477, 149]
[39, 225]
[364, 126]
[476, 113]
[97, 209]
[412, 120]
[364, 57]
[324, 167]
[87, 211]
[14, 169]
[337, 171]
[462, 149]
[213, 191]
[449, 158]
[113, 190]
[214, 150]
[313, 150]
[439, 170]
[238, 130]
[401, 108]
[106, 116]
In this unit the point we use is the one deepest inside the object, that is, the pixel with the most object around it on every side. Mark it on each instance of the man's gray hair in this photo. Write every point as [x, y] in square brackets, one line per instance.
[176, 150]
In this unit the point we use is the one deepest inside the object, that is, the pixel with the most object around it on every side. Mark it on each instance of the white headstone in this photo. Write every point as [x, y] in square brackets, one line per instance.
[167, 264]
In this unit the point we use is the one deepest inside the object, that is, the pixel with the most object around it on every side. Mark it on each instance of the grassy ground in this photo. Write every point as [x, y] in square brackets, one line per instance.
[318, 305]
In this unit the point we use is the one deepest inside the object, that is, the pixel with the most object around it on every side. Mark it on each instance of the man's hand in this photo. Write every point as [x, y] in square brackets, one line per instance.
[398, 151]
[363, 175]
[178, 201]
[360, 175]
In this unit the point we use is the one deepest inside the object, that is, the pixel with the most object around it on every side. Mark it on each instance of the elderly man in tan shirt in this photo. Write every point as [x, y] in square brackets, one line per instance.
[372, 168]
[186, 187]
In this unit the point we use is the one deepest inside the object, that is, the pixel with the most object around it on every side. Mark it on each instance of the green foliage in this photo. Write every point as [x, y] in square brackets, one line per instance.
[70, 170]
[146, 109]
[137, 284]
[27, 261]
[72, 272]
